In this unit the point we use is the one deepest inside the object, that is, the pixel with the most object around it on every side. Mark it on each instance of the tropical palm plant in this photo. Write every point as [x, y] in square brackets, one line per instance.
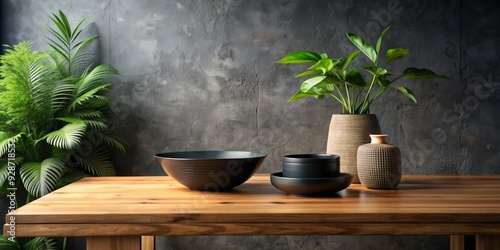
[55, 107]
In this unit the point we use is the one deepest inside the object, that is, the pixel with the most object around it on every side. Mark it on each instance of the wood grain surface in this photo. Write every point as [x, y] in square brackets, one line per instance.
[97, 206]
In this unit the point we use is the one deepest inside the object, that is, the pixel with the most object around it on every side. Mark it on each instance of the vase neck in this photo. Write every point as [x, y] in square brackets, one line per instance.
[379, 139]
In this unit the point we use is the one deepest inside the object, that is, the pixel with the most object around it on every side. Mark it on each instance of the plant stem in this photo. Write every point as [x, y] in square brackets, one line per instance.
[348, 97]
[368, 93]
[380, 91]
[340, 101]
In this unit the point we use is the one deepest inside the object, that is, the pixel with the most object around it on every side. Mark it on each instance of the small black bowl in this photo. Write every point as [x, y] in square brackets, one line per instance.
[311, 165]
[311, 186]
[211, 170]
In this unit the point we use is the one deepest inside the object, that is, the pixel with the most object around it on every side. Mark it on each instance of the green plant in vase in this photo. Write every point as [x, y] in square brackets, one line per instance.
[54, 110]
[355, 88]
[334, 77]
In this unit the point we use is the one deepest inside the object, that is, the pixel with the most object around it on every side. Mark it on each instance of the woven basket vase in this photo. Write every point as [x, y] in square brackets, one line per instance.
[379, 164]
[347, 132]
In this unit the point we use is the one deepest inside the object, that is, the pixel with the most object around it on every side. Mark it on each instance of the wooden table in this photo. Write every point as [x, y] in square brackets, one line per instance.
[114, 212]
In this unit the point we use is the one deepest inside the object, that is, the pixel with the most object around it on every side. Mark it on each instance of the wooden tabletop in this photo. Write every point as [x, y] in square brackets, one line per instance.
[157, 205]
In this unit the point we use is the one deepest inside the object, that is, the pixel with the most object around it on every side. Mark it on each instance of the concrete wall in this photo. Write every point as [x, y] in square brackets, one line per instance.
[200, 75]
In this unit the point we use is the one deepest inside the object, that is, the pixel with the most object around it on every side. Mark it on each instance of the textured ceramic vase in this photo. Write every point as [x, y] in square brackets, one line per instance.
[379, 164]
[348, 132]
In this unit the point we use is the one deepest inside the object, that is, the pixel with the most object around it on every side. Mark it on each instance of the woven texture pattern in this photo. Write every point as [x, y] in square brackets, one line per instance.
[346, 134]
[379, 166]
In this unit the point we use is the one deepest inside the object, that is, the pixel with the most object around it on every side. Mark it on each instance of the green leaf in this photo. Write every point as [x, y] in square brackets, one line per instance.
[355, 78]
[311, 82]
[375, 70]
[299, 95]
[309, 73]
[422, 74]
[68, 137]
[407, 92]
[346, 61]
[363, 46]
[324, 65]
[323, 55]
[394, 54]
[41, 178]
[383, 82]
[300, 57]
[317, 92]
[379, 41]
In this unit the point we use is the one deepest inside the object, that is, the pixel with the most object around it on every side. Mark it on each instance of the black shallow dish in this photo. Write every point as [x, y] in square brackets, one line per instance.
[311, 186]
[211, 170]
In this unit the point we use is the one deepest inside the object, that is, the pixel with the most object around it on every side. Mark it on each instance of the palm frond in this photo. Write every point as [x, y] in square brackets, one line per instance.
[94, 78]
[82, 56]
[5, 171]
[68, 137]
[41, 178]
[7, 139]
[99, 125]
[91, 94]
[62, 94]
[72, 56]
[71, 120]
[41, 243]
[6, 244]
[116, 142]
[72, 176]
[89, 114]
[96, 162]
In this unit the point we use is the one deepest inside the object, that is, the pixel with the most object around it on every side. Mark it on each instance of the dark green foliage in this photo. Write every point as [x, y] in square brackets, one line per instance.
[55, 107]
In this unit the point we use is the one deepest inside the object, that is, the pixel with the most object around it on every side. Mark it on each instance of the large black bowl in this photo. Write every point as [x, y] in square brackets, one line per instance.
[211, 170]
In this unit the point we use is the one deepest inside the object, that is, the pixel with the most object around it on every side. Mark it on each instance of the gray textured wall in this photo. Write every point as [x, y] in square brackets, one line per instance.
[200, 75]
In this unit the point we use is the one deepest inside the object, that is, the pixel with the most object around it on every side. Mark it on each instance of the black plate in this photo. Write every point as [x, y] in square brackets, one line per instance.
[311, 186]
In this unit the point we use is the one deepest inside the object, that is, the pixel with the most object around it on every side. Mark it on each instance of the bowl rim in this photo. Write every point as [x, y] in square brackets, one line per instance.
[184, 155]
[301, 158]
[279, 175]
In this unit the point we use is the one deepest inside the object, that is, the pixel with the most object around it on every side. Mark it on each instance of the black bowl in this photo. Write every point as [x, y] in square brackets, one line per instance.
[311, 165]
[211, 170]
[311, 186]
